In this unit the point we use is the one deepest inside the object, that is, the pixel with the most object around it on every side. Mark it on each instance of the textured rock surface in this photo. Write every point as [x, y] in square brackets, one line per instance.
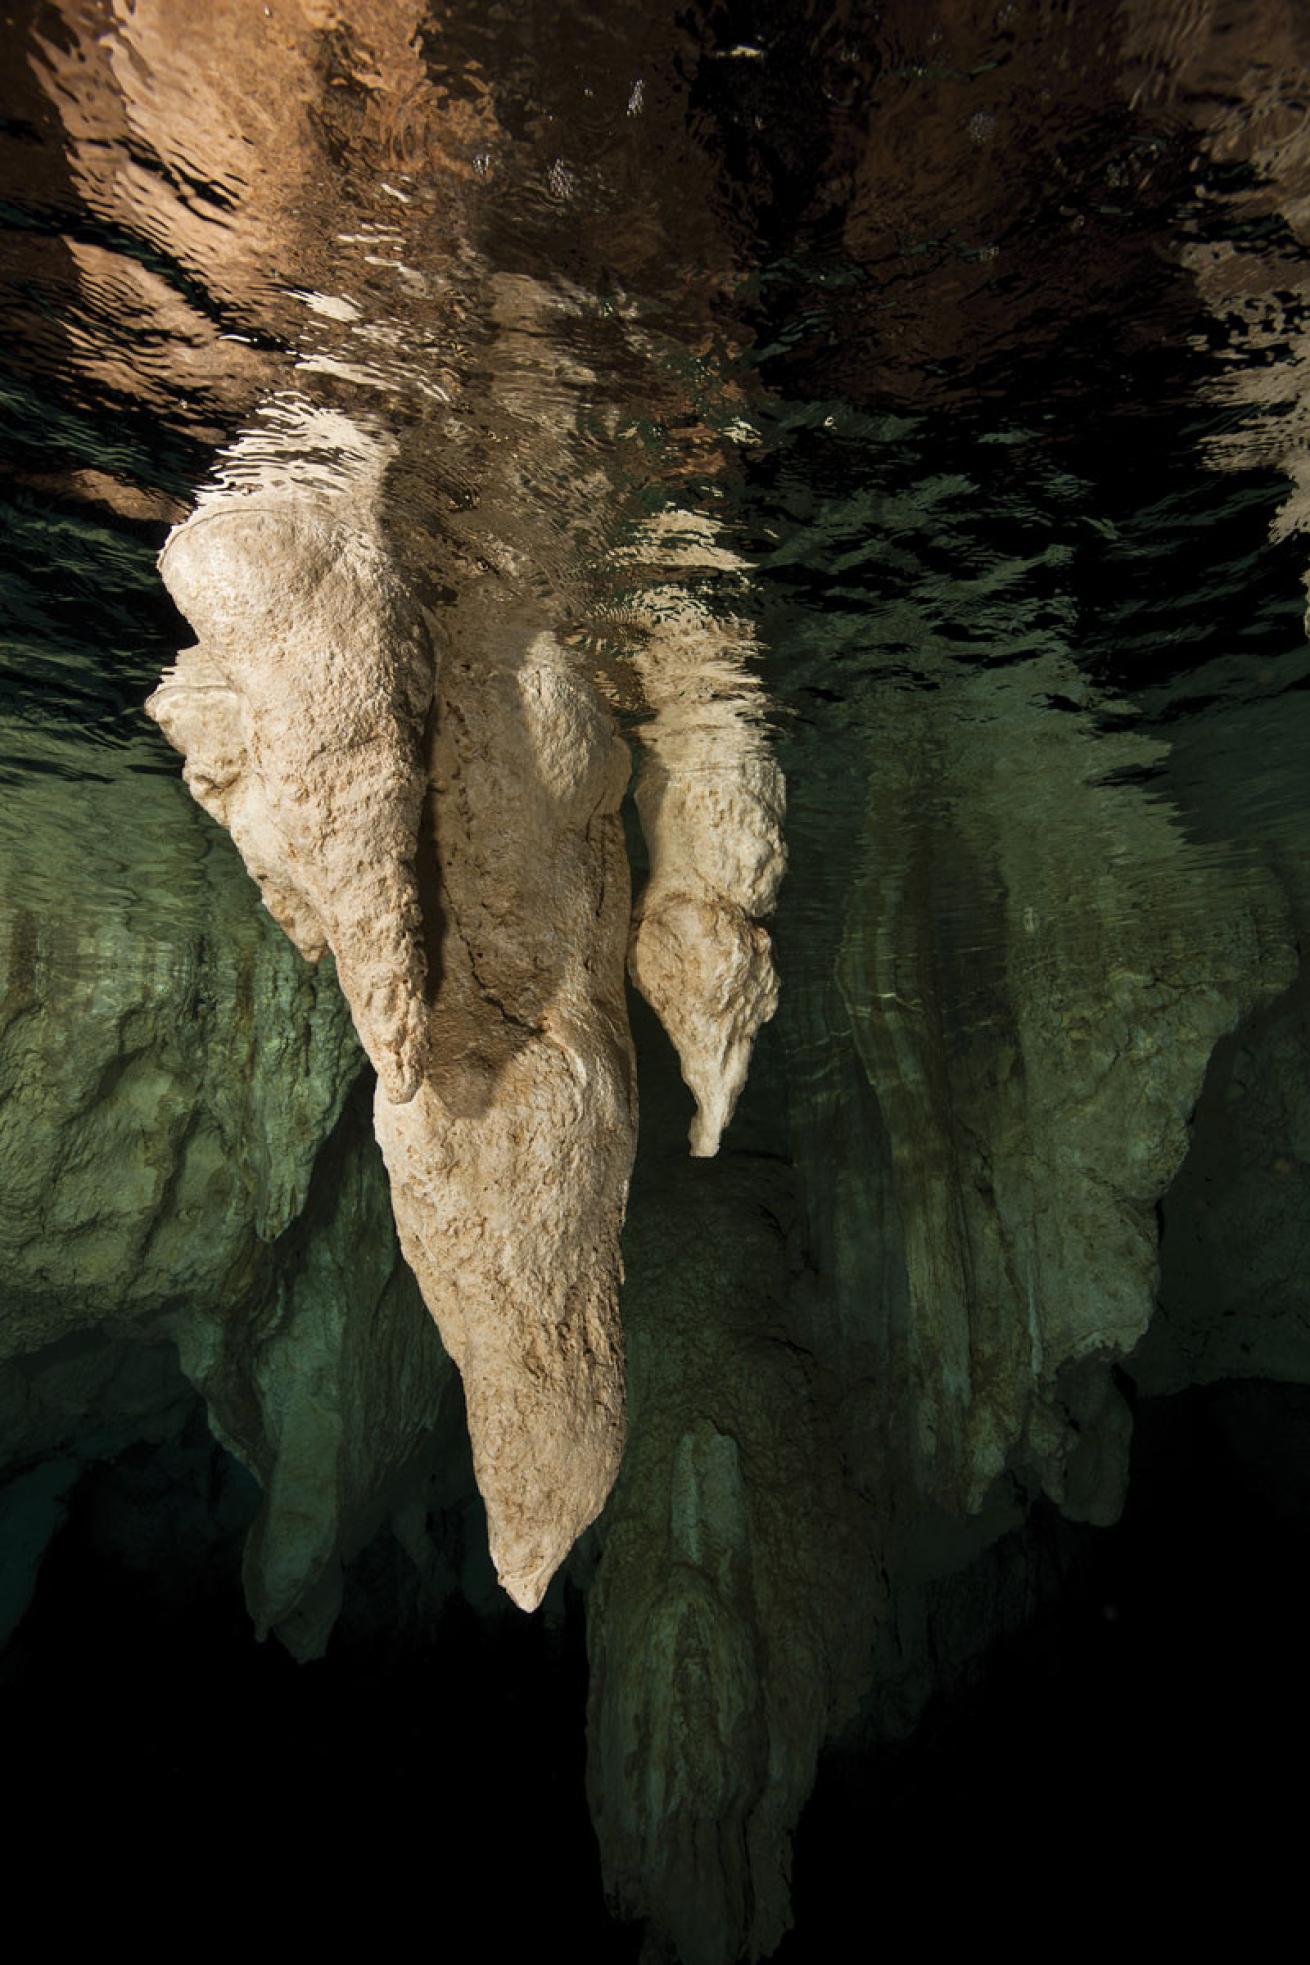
[1037, 1031]
[465, 870]
[711, 799]
[993, 1047]
[735, 1598]
[479, 936]
[334, 1391]
[510, 1169]
[1236, 1221]
[891, 1317]
[167, 1193]
[165, 1099]
[301, 715]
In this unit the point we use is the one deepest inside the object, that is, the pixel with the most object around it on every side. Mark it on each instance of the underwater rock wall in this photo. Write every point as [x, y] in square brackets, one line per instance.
[1036, 966]
[166, 1099]
[185, 1180]
[727, 1641]
[1236, 1221]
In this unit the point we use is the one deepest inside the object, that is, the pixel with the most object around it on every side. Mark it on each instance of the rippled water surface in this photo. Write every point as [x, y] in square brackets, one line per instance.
[940, 363]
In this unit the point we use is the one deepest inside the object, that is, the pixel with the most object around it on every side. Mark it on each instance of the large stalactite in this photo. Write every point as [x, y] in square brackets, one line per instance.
[467, 567]
[424, 779]
[437, 803]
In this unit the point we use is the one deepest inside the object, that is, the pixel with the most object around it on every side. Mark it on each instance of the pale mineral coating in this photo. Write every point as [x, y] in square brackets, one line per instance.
[711, 799]
[510, 1169]
[301, 715]
[483, 963]
[711, 802]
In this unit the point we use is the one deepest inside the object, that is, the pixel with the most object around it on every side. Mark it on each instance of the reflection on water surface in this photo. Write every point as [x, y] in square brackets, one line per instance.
[949, 352]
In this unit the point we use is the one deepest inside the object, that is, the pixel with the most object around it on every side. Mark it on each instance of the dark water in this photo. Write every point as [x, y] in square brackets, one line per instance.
[960, 346]
[1121, 1759]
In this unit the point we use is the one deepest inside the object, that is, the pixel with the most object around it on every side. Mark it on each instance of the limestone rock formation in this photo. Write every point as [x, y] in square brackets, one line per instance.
[166, 1097]
[385, 707]
[340, 1401]
[725, 1648]
[510, 1168]
[1024, 1048]
[301, 715]
[711, 799]
[184, 1177]
[478, 369]
[479, 928]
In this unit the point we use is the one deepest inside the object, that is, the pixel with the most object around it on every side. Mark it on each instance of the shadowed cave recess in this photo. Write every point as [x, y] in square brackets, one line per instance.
[654, 1057]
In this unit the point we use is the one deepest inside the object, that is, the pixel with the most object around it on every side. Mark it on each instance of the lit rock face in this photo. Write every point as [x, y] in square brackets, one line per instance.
[436, 799]
[702, 960]
[711, 799]
[509, 1170]
[301, 715]
[166, 1096]
[437, 809]
[479, 929]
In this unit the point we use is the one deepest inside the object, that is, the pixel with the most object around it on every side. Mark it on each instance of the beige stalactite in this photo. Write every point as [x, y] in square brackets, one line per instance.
[467, 870]
[711, 799]
[434, 798]
[301, 713]
[509, 1171]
